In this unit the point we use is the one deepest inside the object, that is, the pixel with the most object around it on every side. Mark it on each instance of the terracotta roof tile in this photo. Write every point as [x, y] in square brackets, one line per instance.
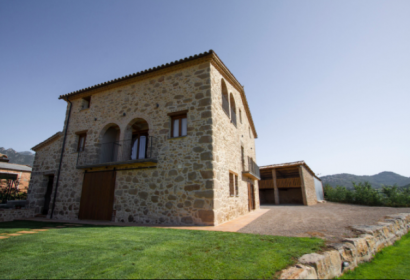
[289, 164]
[150, 70]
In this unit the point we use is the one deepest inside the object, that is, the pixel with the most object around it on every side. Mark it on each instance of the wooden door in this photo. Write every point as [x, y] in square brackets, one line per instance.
[97, 197]
[47, 197]
[251, 197]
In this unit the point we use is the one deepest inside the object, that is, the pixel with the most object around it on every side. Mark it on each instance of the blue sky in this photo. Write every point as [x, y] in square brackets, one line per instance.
[327, 82]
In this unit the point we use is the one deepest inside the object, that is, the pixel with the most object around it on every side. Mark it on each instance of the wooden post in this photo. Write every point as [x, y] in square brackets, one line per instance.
[302, 185]
[275, 186]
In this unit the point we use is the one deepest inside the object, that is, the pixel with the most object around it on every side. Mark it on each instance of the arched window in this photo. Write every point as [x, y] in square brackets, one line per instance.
[233, 110]
[139, 139]
[110, 144]
[225, 102]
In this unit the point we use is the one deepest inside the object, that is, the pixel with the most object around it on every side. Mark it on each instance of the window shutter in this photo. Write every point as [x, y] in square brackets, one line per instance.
[231, 185]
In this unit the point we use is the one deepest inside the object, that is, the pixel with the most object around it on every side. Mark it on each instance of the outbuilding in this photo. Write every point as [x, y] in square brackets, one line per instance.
[289, 183]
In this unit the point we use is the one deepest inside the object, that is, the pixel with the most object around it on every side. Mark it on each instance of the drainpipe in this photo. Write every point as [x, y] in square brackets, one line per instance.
[61, 159]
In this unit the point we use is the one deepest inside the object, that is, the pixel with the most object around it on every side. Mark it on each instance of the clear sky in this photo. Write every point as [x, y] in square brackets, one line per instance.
[327, 82]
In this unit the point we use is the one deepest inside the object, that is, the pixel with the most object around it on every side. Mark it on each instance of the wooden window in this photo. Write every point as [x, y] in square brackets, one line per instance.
[243, 158]
[236, 186]
[233, 111]
[240, 115]
[81, 142]
[225, 101]
[231, 184]
[179, 125]
[87, 102]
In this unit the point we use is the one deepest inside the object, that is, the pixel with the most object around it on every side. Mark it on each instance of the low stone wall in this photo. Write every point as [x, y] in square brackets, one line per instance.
[352, 251]
[7, 215]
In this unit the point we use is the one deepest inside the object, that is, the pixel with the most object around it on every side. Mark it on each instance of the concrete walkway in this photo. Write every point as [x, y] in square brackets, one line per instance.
[231, 226]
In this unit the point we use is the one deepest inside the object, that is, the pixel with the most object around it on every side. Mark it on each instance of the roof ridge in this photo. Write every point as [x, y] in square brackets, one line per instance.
[143, 72]
[49, 139]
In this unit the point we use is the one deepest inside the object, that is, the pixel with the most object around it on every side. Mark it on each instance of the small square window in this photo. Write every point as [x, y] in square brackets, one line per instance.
[81, 142]
[86, 102]
[179, 125]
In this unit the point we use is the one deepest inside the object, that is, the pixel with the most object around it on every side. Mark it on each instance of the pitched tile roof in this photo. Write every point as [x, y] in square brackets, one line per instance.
[150, 70]
[163, 66]
[289, 164]
[16, 167]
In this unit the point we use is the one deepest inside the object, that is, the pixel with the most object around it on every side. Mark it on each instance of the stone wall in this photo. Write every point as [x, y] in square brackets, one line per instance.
[46, 162]
[7, 215]
[352, 251]
[309, 182]
[189, 184]
[227, 142]
[180, 189]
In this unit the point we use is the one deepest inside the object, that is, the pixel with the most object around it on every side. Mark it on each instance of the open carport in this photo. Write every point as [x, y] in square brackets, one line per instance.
[289, 183]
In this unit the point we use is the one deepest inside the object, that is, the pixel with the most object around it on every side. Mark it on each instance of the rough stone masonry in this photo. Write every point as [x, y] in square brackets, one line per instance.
[189, 184]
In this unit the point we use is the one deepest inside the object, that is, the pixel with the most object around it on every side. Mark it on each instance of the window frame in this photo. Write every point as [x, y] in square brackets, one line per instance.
[80, 136]
[236, 186]
[233, 184]
[178, 116]
[240, 116]
[226, 107]
[88, 100]
[243, 158]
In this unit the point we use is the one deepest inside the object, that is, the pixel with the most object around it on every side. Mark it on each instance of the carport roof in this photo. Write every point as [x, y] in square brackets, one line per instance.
[288, 164]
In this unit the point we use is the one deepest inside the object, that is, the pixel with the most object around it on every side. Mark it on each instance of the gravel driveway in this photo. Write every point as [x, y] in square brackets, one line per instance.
[328, 220]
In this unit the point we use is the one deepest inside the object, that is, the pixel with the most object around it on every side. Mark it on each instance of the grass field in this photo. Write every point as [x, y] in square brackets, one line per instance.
[143, 252]
[391, 263]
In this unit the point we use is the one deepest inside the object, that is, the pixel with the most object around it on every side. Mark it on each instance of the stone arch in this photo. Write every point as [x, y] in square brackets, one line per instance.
[225, 97]
[109, 143]
[136, 139]
[107, 127]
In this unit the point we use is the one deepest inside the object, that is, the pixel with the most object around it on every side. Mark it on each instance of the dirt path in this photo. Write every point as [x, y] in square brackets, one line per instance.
[327, 220]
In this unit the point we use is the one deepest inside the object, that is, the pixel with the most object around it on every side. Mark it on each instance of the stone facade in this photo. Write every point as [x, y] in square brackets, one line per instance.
[8, 215]
[227, 142]
[188, 184]
[309, 186]
[45, 164]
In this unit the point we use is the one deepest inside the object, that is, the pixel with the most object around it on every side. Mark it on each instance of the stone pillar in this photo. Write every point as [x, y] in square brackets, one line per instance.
[275, 186]
[302, 185]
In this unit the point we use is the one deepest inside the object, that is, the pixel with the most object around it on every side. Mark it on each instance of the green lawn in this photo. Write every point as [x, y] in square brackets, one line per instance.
[391, 263]
[144, 252]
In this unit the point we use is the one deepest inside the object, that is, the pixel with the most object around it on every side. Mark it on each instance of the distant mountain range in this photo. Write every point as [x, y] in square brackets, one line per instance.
[25, 158]
[384, 178]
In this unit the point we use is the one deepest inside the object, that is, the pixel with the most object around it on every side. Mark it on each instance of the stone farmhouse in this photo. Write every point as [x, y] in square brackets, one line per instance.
[174, 144]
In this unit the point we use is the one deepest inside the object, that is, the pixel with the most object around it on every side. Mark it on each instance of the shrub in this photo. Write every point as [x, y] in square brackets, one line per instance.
[364, 194]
